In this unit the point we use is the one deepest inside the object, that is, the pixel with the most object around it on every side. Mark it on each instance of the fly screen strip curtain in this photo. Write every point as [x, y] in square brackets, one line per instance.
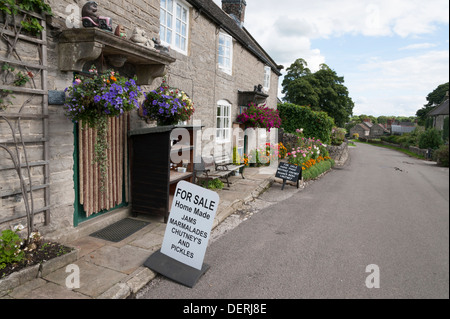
[92, 197]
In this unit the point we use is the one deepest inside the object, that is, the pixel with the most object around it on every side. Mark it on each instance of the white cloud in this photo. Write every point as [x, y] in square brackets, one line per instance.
[418, 46]
[385, 87]
[272, 23]
[285, 29]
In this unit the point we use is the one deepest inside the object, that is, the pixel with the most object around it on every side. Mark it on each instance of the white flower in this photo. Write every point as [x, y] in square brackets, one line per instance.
[18, 227]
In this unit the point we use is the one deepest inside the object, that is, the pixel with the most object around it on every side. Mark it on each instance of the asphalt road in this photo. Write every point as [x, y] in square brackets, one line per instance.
[383, 208]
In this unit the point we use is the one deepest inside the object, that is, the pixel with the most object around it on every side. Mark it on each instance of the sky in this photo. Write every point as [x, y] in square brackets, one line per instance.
[391, 53]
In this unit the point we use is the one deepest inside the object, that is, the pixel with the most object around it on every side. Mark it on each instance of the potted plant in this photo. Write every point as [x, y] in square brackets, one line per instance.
[92, 99]
[167, 106]
[260, 117]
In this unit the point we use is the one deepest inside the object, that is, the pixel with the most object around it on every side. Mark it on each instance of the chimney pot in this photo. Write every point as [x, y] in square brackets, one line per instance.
[235, 8]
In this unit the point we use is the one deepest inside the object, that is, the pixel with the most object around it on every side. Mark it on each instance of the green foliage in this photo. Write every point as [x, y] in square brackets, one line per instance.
[30, 24]
[322, 91]
[407, 139]
[314, 124]
[431, 138]
[442, 155]
[4, 102]
[318, 169]
[21, 79]
[338, 136]
[434, 98]
[10, 251]
[213, 184]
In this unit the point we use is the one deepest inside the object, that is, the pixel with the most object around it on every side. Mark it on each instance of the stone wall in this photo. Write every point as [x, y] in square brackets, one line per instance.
[197, 74]
[339, 153]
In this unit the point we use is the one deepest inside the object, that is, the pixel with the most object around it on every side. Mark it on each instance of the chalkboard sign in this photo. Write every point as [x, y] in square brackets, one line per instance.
[288, 172]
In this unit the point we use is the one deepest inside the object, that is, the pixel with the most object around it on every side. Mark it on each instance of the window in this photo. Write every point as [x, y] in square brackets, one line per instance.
[267, 71]
[225, 53]
[174, 22]
[223, 128]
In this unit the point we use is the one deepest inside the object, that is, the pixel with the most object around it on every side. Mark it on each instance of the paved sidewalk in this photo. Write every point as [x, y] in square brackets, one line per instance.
[115, 270]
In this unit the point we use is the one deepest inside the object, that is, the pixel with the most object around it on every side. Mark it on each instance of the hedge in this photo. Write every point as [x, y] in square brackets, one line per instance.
[314, 124]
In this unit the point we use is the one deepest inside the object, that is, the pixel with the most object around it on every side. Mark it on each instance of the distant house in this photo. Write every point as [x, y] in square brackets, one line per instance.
[377, 130]
[439, 114]
[361, 129]
[402, 129]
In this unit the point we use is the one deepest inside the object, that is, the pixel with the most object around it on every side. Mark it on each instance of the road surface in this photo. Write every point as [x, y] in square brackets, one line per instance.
[381, 221]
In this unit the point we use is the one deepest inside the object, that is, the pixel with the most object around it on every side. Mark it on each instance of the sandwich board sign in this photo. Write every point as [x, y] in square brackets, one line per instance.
[289, 172]
[187, 234]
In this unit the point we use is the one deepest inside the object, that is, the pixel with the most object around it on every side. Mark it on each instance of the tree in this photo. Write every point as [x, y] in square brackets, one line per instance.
[434, 98]
[323, 91]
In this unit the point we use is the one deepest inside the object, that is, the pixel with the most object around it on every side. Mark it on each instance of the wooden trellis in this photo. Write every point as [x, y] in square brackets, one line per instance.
[15, 148]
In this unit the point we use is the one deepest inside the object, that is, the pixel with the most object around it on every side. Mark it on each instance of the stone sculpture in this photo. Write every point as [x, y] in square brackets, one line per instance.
[92, 20]
[159, 46]
[139, 36]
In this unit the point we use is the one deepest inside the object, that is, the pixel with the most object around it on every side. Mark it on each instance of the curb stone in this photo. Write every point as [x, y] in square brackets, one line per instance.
[19, 278]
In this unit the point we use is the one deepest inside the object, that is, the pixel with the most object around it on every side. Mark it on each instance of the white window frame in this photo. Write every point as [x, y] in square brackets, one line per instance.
[174, 18]
[267, 74]
[225, 42]
[223, 121]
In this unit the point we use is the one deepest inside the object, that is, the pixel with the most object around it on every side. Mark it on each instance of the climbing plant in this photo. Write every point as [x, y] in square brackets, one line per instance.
[29, 23]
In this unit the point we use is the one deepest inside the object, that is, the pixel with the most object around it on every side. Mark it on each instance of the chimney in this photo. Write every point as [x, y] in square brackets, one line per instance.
[236, 9]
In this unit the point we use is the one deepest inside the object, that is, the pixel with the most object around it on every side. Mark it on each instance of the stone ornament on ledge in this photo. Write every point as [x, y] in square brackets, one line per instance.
[120, 31]
[80, 46]
[139, 36]
[92, 20]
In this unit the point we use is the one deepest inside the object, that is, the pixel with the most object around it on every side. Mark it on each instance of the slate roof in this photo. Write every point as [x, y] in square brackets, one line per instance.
[364, 127]
[441, 109]
[224, 21]
[368, 124]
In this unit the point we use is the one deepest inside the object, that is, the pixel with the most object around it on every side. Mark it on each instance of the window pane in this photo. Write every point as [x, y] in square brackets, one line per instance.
[178, 26]
[177, 41]
[183, 30]
[163, 17]
[178, 11]
[169, 36]
[170, 5]
[183, 44]
[169, 21]
[162, 33]
[184, 17]
[218, 110]
[163, 4]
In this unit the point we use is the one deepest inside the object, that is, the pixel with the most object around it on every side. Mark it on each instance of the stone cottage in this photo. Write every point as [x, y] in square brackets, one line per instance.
[361, 129]
[377, 130]
[203, 49]
[440, 113]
